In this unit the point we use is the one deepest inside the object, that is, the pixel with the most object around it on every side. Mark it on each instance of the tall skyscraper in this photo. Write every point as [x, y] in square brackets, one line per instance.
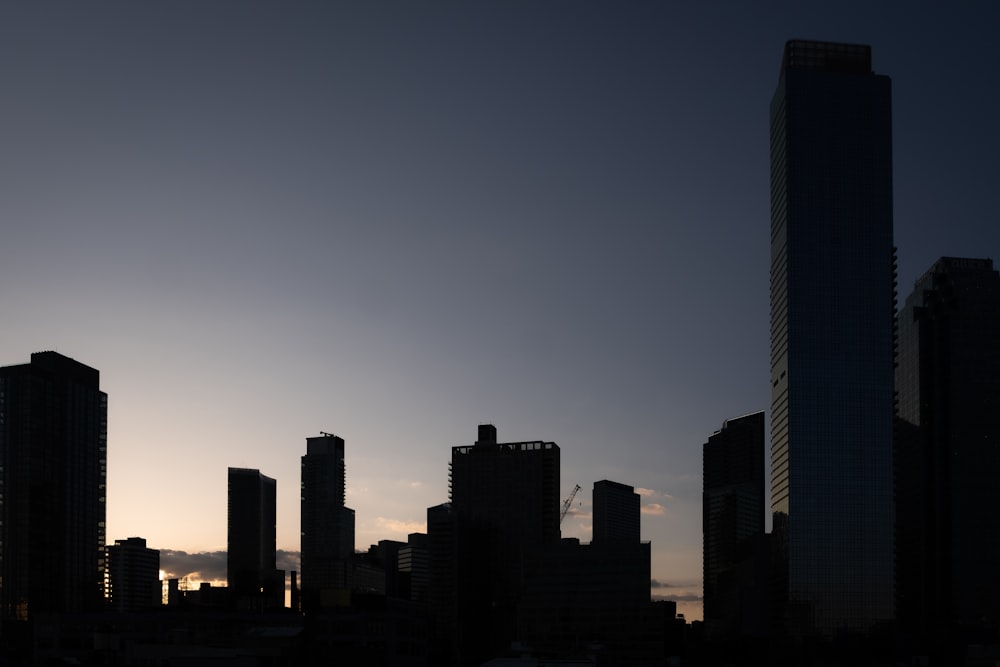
[732, 519]
[832, 314]
[53, 476]
[513, 488]
[133, 576]
[447, 578]
[489, 539]
[253, 578]
[616, 512]
[948, 449]
[327, 525]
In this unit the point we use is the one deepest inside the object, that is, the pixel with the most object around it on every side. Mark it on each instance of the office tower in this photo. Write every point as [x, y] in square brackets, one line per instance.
[616, 512]
[596, 596]
[414, 567]
[53, 475]
[512, 490]
[382, 563]
[513, 486]
[832, 311]
[327, 525]
[948, 448]
[504, 511]
[446, 579]
[253, 578]
[133, 576]
[733, 524]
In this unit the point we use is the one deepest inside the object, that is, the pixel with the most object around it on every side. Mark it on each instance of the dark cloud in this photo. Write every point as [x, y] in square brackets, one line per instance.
[211, 565]
[204, 565]
[680, 597]
[288, 560]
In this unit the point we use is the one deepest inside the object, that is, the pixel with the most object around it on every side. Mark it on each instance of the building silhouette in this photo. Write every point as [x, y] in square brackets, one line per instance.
[383, 559]
[414, 567]
[53, 486]
[133, 582]
[487, 542]
[832, 314]
[449, 571]
[327, 525]
[253, 579]
[616, 512]
[735, 563]
[513, 489]
[948, 449]
[594, 599]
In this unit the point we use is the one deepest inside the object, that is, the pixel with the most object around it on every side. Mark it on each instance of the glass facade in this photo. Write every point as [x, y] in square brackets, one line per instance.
[948, 448]
[832, 335]
[616, 512]
[253, 579]
[732, 508]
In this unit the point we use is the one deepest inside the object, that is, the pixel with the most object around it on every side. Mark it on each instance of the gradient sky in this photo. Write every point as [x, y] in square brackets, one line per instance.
[396, 221]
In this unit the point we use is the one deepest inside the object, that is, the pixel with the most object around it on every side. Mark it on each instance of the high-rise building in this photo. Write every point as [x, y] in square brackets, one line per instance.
[327, 525]
[832, 329]
[948, 448]
[596, 595]
[253, 578]
[447, 578]
[53, 477]
[133, 576]
[414, 567]
[732, 520]
[489, 539]
[513, 490]
[616, 512]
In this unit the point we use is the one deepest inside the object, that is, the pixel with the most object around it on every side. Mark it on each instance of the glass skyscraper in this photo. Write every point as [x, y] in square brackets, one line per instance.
[616, 512]
[254, 582]
[732, 514]
[832, 310]
[948, 449]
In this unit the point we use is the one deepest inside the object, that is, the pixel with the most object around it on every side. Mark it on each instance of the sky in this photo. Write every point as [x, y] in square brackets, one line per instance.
[395, 221]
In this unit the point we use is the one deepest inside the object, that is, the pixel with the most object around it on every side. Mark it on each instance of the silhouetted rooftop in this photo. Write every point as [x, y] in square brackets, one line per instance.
[829, 56]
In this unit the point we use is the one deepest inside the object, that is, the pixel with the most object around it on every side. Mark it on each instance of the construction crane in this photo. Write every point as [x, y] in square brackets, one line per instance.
[567, 503]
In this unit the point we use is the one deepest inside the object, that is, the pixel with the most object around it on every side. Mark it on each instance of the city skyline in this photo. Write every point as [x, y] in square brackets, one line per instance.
[262, 223]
